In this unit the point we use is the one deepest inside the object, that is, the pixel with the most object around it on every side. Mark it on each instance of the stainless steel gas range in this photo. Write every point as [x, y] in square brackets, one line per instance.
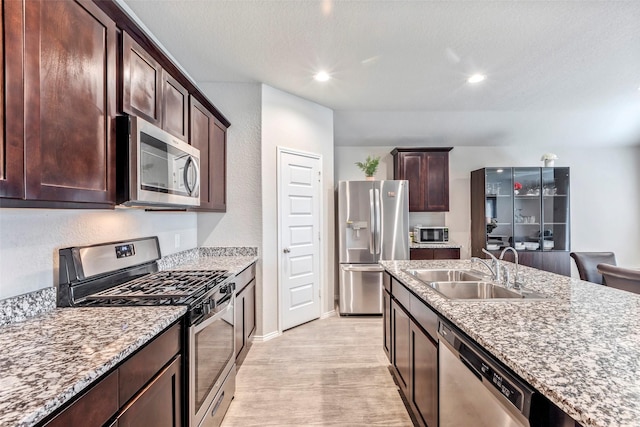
[126, 273]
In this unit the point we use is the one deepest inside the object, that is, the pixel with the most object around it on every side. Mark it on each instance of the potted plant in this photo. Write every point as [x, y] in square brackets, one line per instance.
[549, 159]
[369, 167]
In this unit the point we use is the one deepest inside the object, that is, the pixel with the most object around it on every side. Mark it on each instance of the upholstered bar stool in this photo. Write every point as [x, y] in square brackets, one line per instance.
[627, 279]
[587, 263]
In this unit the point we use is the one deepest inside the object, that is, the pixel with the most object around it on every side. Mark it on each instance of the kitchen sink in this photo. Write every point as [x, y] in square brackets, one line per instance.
[447, 275]
[468, 285]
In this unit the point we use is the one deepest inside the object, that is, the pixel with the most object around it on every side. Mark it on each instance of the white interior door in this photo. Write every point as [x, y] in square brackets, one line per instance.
[299, 212]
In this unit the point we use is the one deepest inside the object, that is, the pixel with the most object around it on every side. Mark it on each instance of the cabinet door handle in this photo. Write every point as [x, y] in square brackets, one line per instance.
[286, 250]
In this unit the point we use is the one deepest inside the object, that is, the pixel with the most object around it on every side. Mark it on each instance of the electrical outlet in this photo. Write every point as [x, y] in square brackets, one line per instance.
[177, 240]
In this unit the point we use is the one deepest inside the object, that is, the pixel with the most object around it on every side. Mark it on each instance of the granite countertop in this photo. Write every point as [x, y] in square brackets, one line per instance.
[580, 348]
[234, 260]
[50, 358]
[449, 245]
[57, 352]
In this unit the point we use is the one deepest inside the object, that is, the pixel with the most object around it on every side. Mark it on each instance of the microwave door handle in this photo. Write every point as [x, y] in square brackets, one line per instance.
[190, 163]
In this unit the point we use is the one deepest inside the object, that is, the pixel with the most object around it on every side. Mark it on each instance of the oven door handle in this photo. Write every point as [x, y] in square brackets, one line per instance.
[212, 317]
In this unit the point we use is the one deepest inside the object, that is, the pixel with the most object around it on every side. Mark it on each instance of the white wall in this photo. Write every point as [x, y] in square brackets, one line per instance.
[605, 191]
[30, 239]
[292, 122]
[240, 225]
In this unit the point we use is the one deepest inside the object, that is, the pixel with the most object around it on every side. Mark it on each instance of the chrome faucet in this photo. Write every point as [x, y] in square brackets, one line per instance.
[516, 285]
[494, 268]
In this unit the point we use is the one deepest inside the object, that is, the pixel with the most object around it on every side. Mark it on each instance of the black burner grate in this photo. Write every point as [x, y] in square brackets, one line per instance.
[163, 287]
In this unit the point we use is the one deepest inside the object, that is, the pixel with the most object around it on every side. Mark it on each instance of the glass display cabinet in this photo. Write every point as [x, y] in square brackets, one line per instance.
[523, 207]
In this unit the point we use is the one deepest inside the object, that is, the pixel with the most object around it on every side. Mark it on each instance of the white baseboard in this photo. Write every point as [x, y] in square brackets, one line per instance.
[269, 336]
[328, 314]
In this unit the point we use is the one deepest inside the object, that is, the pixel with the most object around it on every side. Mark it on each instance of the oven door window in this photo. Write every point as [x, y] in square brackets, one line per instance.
[213, 351]
[166, 169]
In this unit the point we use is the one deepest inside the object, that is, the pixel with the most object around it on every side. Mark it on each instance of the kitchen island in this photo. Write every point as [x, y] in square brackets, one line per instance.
[580, 347]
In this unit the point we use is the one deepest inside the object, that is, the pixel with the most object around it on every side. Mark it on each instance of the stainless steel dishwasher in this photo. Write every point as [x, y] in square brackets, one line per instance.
[474, 390]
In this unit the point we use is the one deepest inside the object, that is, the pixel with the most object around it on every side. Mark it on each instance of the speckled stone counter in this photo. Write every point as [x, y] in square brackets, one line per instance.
[450, 245]
[234, 260]
[580, 348]
[50, 358]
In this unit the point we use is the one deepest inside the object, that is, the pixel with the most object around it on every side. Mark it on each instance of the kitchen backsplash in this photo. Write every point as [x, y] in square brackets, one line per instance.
[21, 307]
[190, 255]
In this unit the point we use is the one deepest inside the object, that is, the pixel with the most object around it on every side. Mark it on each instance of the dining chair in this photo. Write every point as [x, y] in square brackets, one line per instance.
[587, 263]
[627, 279]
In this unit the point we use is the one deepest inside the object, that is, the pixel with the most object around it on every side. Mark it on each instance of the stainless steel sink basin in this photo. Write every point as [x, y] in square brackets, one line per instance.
[447, 275]
[468, 285]
[473, 290]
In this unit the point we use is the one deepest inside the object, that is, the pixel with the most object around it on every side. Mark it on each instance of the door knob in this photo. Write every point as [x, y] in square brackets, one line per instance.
[286, 250]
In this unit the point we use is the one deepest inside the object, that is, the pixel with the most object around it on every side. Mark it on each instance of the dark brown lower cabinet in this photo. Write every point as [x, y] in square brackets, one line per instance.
[424, 376]
[159, 403]
[386, 321]
[144, 390]
[94, 408]
[414, 351]
[434, 253]
[401, 345]
[245, 312]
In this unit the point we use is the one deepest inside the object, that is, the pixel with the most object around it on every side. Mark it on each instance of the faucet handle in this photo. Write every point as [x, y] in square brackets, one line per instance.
[488, 253]
[505, 276]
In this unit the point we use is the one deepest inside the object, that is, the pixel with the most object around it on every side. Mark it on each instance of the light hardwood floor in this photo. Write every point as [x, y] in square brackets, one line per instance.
[330, 372]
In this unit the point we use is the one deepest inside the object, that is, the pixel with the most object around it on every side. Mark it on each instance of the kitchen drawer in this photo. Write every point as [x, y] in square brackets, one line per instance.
[144, 365]
[401, 293]
[245, 277]
[386, 282]
[425, 317]
[94, 408]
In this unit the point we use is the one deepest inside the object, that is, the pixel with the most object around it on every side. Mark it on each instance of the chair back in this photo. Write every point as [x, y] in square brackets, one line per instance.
[627, 279]
[587, 263]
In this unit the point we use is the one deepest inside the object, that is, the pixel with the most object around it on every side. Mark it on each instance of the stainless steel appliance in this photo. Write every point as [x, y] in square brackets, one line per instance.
[373, 225]
[154, 168]
[423, 234]
[474, 389]
[126, 274]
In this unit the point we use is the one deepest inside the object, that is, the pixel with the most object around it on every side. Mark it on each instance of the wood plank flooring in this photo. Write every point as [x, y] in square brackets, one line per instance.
[330, 372]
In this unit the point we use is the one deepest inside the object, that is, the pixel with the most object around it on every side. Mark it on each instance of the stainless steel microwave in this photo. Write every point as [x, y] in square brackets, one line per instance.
[430, 234]
[154, 168]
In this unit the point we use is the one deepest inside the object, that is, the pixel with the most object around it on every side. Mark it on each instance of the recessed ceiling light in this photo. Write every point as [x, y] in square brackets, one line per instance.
[476, 78]
[322, 76]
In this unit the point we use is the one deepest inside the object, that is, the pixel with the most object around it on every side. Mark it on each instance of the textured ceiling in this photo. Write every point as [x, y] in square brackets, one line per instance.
[400, 67]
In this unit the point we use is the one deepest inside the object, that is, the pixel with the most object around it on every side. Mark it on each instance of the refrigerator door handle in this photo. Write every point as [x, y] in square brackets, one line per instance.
[367, 268]
[378, 236]
[372, 219]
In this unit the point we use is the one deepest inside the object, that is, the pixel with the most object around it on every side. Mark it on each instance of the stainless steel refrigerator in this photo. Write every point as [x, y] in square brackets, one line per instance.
[373, 225]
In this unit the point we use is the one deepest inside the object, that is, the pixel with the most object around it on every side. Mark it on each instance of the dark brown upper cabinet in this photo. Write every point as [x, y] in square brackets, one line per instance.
[427, 170]
[209, 135]
[175, 107]
[142, 82]
[12, 106]
[60, 102]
